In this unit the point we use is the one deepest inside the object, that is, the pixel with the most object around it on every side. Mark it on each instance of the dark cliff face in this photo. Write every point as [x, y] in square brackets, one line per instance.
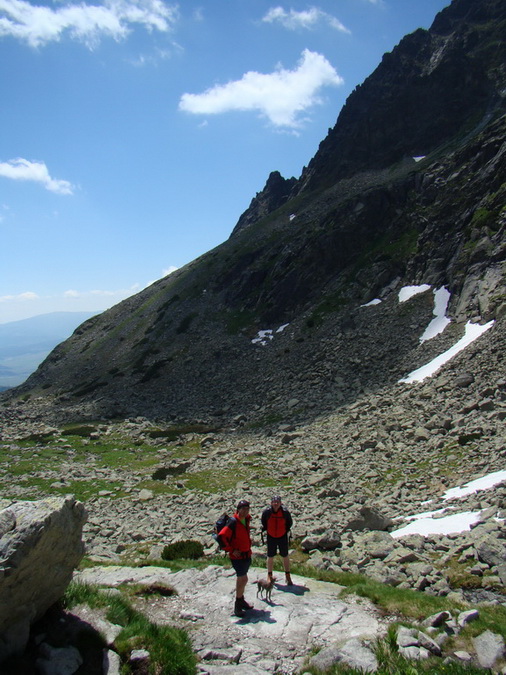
[364, 219]
[434, 86]
[275, 193]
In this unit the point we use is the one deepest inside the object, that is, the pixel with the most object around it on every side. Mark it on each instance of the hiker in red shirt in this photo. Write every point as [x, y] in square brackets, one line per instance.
[277, 521]
[237, 543]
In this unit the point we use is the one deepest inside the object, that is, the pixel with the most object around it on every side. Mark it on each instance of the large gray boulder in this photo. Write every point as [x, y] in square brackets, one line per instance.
[489, 648]
[40, 546]
[369, 519]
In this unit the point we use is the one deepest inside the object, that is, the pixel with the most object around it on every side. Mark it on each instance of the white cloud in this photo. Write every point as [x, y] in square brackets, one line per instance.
[165, 273]
[305, 19]
[37, 25]
[17, 307]
[198, 14]
[24, 169]
[28, 295]
[120, 293]
[280, 96]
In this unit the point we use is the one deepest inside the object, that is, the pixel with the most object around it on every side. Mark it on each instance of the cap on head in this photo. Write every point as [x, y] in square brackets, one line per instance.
[276, 499]
[242, 504]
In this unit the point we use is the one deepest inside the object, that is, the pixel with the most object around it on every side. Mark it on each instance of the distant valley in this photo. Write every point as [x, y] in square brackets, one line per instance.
[25, 344]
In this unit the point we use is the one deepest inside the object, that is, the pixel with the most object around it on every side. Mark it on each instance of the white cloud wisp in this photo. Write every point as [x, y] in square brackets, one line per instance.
[22, 297]
[38, 25]
[280, 96]
[307, 19]
[24, 169]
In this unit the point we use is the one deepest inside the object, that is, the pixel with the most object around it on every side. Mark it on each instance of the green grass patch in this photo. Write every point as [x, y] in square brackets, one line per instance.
[157, 487]
[397, 601]
[212, 481]
[33, 470]
[459, 577]
[482, 218]
[237, 321]
[170, 648]
[333, 302]
[396, 248]
[492, 617]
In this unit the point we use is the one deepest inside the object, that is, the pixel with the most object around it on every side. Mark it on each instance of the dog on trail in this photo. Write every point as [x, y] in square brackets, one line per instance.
[264, 587]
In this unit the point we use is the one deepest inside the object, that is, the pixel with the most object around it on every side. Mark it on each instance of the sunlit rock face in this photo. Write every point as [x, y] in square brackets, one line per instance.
[40, 546]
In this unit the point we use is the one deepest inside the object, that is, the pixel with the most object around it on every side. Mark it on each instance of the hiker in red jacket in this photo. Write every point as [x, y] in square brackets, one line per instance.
[237, 543]
[277, 521]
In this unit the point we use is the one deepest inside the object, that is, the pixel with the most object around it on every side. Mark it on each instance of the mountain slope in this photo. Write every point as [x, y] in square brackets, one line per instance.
[24, 344]
[363, 220]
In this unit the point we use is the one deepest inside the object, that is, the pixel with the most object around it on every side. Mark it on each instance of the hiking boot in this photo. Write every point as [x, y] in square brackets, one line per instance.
[244, 604]
[288, 578]
[238, 608]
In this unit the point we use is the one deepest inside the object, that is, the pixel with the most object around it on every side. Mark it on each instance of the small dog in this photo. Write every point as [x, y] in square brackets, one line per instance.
[265, 586]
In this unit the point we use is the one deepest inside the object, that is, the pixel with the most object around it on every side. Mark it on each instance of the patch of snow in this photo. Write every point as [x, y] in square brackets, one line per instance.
[473, 331]
[458, 522]
[440, 321]
[424, 515]
[429, 522]
[409, 291]
[376, 301]
[483, 483]
[292, 216]
[263, 337]
[419, 159]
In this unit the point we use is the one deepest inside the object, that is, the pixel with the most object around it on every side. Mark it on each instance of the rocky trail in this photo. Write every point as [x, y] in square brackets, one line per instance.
[274, 636]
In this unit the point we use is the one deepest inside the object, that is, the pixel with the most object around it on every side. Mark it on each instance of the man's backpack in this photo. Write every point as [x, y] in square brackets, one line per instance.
[223, 520]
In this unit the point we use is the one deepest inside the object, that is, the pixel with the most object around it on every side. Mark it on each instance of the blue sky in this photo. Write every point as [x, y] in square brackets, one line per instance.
[134, 133]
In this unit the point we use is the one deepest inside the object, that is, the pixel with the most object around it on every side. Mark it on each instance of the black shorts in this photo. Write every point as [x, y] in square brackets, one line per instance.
[275, 543]
[241, 566]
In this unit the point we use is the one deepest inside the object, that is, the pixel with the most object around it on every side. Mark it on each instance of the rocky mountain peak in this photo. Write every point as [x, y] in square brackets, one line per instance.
[275, 193]
[435, 85]
[408, 188]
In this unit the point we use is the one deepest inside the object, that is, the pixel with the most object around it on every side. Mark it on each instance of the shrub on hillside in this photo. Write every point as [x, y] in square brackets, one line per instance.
[187, 549]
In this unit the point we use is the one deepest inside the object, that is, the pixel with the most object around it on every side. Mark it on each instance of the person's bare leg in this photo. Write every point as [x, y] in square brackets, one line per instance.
[240, 585]
[270, 566]
[286, 567]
